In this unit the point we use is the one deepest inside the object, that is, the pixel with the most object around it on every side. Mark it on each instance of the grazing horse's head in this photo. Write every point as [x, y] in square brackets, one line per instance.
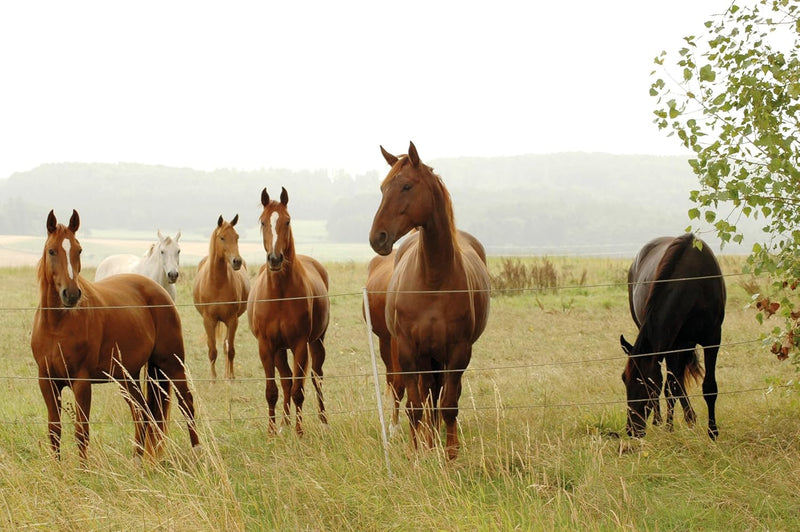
[225, 242]
[276, 230]
[169, 254]
[643, 380]
[61, 261]
[407, 200]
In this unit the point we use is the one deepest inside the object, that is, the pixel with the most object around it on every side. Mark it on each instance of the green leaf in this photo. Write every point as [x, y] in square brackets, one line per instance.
[694, 214]
[707, 74]
[710, 216]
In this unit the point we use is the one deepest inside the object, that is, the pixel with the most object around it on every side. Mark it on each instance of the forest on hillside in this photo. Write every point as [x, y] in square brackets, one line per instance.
[567, 200]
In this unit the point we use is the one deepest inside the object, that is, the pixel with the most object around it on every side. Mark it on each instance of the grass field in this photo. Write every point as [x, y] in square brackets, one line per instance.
[541, 414]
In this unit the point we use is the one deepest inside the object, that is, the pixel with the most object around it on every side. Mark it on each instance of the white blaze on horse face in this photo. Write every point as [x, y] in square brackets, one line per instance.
[67, 245]
[273, 226]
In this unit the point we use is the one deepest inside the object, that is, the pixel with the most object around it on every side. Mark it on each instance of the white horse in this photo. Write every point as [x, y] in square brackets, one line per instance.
[159, 263]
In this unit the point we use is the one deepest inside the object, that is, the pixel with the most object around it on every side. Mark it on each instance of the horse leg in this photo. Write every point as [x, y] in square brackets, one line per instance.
[408, 368]
[393, 378]
[285, 372]
[138, 405]
[175, 373]
[427, 383]
[51, 392]
[682, 359]
[435, 392]
[459, 359]
[299, 365]
[317, 349]
[710, 382]
[232, 325]
[267, 354]
[657, 404]
[210, 325]
[670, 391]
[82, 389]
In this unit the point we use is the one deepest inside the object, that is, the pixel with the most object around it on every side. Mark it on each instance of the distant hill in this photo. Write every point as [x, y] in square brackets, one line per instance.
[527, 203]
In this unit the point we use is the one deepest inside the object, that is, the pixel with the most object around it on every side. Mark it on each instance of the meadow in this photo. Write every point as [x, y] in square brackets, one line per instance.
[542, 418]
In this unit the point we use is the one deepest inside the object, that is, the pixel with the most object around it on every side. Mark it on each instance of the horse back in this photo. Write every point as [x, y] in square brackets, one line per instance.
[641, 275]
[114, 264]
[687, 304]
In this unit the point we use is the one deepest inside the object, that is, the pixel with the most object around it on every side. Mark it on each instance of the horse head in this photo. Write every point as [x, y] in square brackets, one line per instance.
[406, 199]
[276, 230]
[643, 380]
[169, 254]
[61, 261]
[226, 242]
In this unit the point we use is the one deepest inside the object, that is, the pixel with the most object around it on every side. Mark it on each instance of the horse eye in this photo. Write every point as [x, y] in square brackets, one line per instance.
[407, 186]
[51, 252]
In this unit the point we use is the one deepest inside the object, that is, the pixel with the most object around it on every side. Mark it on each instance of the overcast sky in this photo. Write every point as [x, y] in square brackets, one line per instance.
[322, 84]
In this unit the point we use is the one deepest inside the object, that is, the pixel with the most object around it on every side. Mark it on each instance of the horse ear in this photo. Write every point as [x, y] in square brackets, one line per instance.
[219, 222]
[413, 156]
[264, 197]
[391, 159]
[626, 346]
[74, 221]
[284, 197]
[235, 219]
[178, 236]
[160, 236]
[51, 222]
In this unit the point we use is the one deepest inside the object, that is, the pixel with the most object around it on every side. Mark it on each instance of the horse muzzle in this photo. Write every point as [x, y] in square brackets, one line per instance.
[274, 261]
[172, 277]
[70, 297]
[381, 242]
[236, 262]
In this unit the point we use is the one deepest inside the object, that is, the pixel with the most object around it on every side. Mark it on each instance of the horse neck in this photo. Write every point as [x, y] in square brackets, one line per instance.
[51, 308]
[217, 262]
[150, 266]
[438, 245]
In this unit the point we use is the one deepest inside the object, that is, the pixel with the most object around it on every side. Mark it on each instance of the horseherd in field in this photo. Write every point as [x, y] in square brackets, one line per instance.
[427, 300]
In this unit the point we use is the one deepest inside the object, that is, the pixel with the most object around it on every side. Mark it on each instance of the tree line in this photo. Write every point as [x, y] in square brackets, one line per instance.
[528, 201]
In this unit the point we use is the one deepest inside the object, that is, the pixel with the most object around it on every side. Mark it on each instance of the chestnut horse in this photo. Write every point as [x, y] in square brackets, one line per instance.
[220, 291]
[677, 299]
[437, 303]
[288, 308]
[379, 272]
[85, 332]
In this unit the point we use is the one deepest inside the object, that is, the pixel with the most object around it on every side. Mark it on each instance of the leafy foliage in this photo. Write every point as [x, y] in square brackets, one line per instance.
[735, 104]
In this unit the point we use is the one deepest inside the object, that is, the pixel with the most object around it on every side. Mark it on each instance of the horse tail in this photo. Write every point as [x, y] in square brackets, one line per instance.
[694, 371]
[159, 389]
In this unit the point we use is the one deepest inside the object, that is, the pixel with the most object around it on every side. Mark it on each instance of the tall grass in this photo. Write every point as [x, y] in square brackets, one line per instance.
[542, 413]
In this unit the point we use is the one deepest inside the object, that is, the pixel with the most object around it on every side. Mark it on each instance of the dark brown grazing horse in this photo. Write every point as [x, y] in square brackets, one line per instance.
[86, 332]
[288, 308]
[220, 292]
[437, 304]
[677, 298]
[379, 272]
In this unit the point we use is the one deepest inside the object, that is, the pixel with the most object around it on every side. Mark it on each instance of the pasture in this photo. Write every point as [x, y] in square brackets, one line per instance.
[541, 424]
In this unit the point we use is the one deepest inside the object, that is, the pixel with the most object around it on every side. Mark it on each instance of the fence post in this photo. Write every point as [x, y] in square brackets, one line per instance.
[378, 396]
